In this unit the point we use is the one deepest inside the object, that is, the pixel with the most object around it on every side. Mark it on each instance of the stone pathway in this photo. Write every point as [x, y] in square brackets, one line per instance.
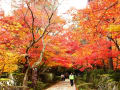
[62, 85]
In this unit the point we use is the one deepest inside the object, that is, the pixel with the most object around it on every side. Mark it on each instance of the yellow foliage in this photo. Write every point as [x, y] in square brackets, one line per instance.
[41, 31]
[114, 28]
[74, 55]
[8, 61]
[52, 63]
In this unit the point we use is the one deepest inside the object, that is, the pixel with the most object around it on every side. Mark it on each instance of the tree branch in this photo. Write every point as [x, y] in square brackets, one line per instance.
[33, 20]
[105, 13]
[115, 42]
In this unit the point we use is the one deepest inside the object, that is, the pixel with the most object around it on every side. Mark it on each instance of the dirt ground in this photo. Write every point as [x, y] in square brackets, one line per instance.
[62, 85]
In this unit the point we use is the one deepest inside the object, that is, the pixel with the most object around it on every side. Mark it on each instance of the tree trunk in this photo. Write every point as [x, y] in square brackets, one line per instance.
[25, 77]
[111, 63]
[34, 77]
[104, 67]
[117, 63]
[110, 60]
[12, 79]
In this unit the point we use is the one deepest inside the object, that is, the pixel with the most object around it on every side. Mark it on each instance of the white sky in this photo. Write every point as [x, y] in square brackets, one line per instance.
[6, 6]
[65, 5]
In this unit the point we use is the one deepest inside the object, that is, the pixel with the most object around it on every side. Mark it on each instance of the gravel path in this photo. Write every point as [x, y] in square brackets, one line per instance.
[62, 85]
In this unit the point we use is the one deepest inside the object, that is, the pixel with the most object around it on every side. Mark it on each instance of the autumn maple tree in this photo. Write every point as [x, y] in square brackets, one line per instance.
[93, 40]
[34, 35]
[98, 28]
[29, 30]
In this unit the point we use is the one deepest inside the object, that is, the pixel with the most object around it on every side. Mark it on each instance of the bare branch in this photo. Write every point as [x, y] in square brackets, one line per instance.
[43, 33]
[41, 54]
[33, 20]
[46, 12]
[115, 42]
[25, 19]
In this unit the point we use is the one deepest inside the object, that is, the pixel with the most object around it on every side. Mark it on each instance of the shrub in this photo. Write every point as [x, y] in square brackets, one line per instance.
[115, 76]
[18, 78]
[46, 77]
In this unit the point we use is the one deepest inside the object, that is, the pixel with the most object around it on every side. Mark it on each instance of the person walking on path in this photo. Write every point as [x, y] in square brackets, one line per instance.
[63, 77]
[71, 77]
